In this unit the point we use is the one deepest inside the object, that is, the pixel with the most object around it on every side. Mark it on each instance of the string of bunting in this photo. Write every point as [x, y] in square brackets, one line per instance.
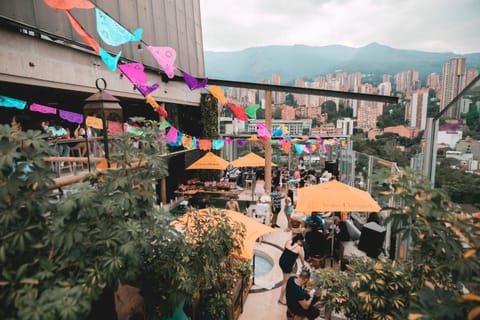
[177, 138]
[115, 34]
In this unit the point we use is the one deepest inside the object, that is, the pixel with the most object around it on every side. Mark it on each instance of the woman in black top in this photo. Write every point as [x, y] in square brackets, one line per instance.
[293, 250]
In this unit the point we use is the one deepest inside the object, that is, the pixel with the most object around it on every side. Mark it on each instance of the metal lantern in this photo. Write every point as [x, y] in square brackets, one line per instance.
[106, 107]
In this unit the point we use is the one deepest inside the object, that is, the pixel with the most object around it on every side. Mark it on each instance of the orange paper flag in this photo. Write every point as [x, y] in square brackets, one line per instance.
[94, 122]
[217, 92]
[70, 4]
[85, 36]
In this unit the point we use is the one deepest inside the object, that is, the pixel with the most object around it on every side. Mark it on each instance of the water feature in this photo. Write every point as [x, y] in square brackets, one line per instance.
[263, 264]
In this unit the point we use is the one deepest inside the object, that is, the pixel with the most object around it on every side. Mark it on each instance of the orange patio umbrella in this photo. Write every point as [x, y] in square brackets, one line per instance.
[334, 196]
[210, 161]
[254, 229]
[250, 160]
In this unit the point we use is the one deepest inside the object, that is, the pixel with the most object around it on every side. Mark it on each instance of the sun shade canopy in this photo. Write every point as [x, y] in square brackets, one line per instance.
[209, 161]
[250, 160]
[253, 229]
[334, 196]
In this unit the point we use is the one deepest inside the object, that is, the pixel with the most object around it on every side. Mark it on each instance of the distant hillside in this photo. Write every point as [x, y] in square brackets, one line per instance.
[292, 62]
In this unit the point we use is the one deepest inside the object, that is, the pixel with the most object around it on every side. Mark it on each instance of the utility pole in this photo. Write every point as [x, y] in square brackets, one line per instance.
[267, 145]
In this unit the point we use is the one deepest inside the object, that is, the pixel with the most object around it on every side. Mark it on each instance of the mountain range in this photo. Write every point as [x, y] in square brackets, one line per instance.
[307, 62]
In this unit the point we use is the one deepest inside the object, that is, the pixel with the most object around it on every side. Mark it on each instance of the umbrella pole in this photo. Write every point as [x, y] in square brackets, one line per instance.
[331, 249]
[253, 280]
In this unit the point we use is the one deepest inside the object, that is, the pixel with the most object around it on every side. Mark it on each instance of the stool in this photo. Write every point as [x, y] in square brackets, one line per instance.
[291, 316]
[248, 184]
[317, 262]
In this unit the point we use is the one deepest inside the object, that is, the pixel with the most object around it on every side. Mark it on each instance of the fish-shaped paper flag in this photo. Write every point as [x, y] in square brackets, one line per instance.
[165, 57]
[239, 112]
[251, 111]
[192, 82]
[110, 62]
[217, 92]
[84, 34]
[135, 73]
[70, 4]
[114, 33]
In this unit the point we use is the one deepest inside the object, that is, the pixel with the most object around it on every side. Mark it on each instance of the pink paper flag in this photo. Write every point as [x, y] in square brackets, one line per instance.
[85, 36]
[217, 92]
[239, 112]
[165, 57]
[70, 116]
[114, 127]
[69, 4]
[42, 109]
[262, 131]
[135, 73]
[172, 135]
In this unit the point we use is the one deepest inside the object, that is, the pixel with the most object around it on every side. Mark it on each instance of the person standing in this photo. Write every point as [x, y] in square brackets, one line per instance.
[288, 213]
[276, 201]
[292, 251]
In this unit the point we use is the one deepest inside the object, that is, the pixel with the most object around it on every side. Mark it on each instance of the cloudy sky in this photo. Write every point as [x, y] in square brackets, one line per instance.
[426, 25]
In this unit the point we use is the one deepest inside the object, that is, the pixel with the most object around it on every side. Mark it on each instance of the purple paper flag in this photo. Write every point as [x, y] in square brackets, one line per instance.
[70, 116]
[242, 142]
[192, 82]
[135, 73]
[42, 109]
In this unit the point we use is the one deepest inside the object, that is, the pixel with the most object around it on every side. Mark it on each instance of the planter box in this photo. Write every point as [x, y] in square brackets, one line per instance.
[239, 295]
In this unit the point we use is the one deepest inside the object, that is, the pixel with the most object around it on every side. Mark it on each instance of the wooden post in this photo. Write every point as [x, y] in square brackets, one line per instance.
[267, 145]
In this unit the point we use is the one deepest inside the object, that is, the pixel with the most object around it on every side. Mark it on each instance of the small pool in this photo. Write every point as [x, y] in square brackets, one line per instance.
[262, 264]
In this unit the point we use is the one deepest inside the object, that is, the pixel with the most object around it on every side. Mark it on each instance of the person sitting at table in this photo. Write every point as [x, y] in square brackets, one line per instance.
[232, 204]
[57, 131]
[78, 133]
[299, 302]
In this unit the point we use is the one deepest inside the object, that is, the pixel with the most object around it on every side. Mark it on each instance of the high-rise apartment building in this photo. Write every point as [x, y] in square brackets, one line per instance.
[416, 110]
[354, 81]
[472, 73]
[278, 97]
[407, 81]
[347, 125]
[368, 111]
[387, 78]
[453, 81]
[433, 81]
[300, 98]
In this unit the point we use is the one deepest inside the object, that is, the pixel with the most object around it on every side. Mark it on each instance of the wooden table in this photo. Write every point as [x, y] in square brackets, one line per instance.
[210, 193]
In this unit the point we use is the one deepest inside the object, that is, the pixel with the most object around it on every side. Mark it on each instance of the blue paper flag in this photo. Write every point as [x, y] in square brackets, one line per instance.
[114, 33]
[12, 103]
[110, 62]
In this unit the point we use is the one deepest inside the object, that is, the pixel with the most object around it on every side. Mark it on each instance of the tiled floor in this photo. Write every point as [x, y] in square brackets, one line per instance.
[262, 301]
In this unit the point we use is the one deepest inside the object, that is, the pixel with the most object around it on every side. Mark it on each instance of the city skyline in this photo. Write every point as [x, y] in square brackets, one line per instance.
[440, 26]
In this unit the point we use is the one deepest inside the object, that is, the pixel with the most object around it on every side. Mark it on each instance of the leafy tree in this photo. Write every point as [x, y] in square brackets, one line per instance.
[290, 100]
[431, 282]
[60, 256]
[209, 115]
[392, 116]
[277, 113]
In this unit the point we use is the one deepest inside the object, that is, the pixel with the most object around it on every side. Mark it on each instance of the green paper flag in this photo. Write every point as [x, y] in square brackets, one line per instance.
[164, 125]
[251, 111]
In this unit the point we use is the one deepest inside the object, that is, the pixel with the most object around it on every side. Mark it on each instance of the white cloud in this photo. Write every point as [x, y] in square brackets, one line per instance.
[440, 25]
